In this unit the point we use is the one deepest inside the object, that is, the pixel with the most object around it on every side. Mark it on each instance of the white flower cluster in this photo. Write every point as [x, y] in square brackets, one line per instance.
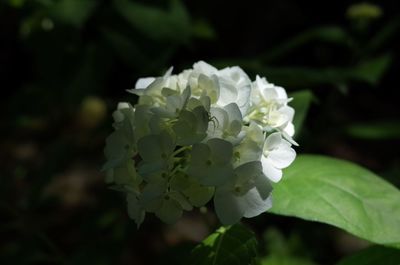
[204, 133]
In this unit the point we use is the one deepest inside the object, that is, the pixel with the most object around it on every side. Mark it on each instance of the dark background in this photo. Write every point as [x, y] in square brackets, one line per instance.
[64, 65]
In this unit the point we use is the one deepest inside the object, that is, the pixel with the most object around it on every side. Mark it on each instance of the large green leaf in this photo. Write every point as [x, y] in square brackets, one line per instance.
[372, 256]
[342, 194]
[232, 245]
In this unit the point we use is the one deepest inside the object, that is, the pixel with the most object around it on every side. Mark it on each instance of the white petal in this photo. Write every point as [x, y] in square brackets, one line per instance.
[289, 139]
[269, 94]
[228, 92]
[253, 204]
[235, 88]
[168, 72]
[254, 132]
[273, 141]
[262, 83]
[288, 112]
[248, 151]
[277, 119]
[281, 92]
[210, 86]
[233, 112]
[243, 100]
[289, 129]
[283, 156]
[274, 174]
[220, 121]
[142, 83]
[205, 68]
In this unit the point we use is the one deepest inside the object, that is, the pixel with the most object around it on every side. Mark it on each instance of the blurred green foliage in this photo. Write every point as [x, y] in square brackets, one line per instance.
[64, 64]
[373, 255]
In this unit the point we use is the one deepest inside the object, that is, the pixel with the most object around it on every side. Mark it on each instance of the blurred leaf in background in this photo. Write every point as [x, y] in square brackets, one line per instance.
[284, 251]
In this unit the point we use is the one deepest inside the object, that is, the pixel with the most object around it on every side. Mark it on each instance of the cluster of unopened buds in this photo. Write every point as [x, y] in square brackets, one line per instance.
[203, 134]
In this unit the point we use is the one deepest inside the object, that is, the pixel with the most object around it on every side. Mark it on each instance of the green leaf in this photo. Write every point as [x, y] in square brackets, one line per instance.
[301, 103]
[158, 24]
[372, 256]
[375, 130]
[231, 245]
[341, 194]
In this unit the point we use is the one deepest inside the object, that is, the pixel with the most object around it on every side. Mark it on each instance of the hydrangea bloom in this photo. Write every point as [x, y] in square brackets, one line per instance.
[199, 135]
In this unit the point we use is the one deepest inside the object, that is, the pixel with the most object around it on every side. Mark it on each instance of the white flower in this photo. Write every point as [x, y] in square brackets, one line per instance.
[277, 154]
[200, 134]
[269, 107]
